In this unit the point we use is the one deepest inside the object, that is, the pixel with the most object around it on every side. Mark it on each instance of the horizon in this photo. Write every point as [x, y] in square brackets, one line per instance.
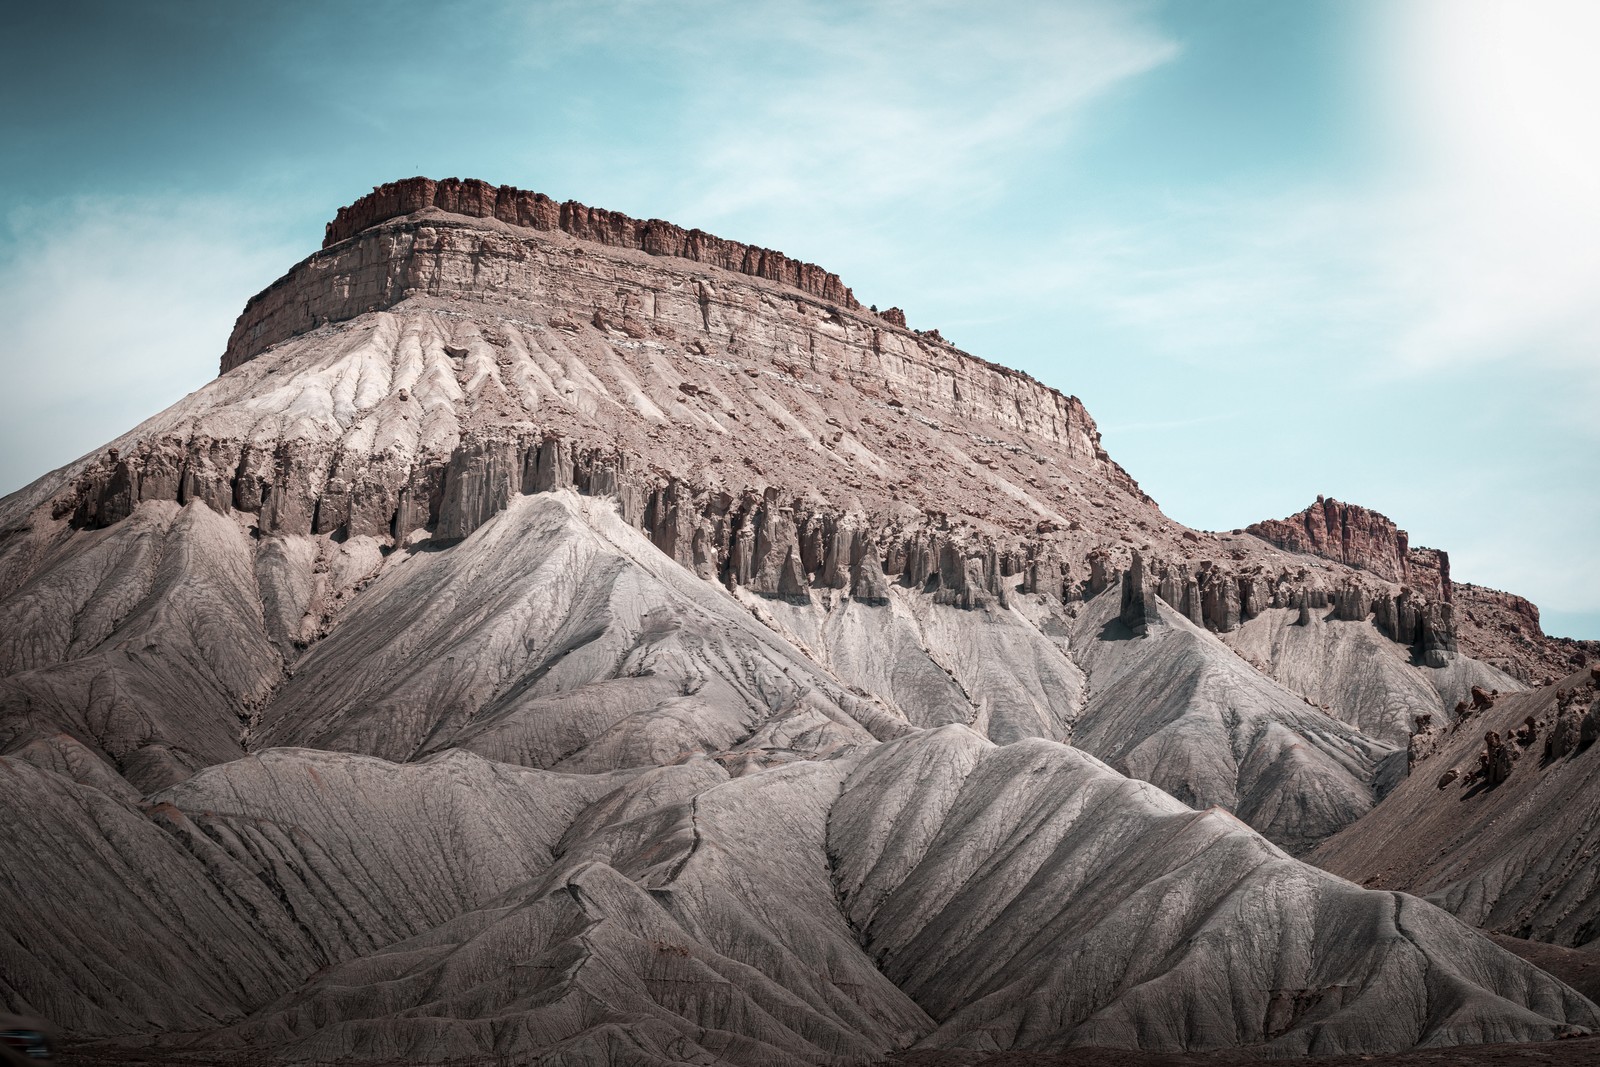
[1225, 227]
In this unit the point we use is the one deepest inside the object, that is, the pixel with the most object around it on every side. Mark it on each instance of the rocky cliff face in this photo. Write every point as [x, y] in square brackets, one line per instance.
[663, 302]
[847, 456]
[846, 453]
[1498, 628]
[367, 284]
[1503, 629]
[500, 294]
[535, 211]
[1363, 539]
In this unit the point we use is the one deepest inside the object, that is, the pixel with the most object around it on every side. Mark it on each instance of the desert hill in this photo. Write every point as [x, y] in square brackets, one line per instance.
[575, 639]
[1497, 820]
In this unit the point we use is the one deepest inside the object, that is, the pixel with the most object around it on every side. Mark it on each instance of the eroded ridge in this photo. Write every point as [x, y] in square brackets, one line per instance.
[1361, 538]
[348, 277]
[520, 207]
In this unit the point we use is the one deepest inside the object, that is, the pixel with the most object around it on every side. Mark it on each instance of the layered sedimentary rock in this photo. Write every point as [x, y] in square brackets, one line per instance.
[1430, 610]
[563, 636]
[530, 210]
[1359, 538]
[413, 484]
[366, 281]
[440, 415]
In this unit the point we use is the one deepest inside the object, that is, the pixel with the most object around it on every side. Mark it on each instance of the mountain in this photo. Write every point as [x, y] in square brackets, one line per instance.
[567, 638]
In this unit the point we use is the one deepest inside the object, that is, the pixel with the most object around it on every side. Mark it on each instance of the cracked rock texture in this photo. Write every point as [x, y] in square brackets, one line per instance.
[559, 638]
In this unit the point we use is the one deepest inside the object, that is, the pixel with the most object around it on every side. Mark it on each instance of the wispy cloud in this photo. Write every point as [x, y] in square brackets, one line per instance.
[1474, 237]
[918, 101]
[1419, 332]
[1441, 299]
[115, 308]
[833, 115]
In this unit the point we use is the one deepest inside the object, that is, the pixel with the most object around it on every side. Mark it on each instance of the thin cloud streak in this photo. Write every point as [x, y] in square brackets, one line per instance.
[827, 120]
[898, 105]
[116, 308]
[1463, 263]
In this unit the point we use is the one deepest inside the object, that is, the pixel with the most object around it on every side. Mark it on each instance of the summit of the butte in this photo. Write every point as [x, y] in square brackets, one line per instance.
[559, 637]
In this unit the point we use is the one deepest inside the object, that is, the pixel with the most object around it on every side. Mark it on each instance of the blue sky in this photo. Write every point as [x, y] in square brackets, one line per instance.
[1278, 248]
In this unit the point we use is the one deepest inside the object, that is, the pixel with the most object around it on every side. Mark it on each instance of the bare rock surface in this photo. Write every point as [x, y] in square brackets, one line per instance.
[1003, 889]
[1579, 968]
[1008, 672]
[554, 596]
[110, 926]
[1176, 708]
[144, 639]
[1499, 628]
[1517, 855]
[930, 890]
[696, 924]
[363, 852]
[1576, 1052]
[1503, 629]
[1360, 538]
[1358, 676]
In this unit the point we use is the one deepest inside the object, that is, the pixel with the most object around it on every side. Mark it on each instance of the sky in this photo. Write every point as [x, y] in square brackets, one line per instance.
[1280, 249]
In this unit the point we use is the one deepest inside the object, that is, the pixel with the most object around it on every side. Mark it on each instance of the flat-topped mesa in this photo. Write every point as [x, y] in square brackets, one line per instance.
[1358, 537]
[536, 211]
[454, 238]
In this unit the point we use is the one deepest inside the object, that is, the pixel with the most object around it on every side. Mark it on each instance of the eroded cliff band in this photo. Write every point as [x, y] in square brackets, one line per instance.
[266, 321]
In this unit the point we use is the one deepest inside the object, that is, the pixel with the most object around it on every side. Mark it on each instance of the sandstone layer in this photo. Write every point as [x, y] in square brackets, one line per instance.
[1499, 628]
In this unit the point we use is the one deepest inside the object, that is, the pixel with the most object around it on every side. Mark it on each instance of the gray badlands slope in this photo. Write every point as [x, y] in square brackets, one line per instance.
[562, 636]
[1520, 855]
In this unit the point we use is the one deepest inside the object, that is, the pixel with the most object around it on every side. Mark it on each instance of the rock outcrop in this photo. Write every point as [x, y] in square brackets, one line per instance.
[372, 275]
[1566, 732]
[536, 211]
[1359, 538]
[1429, 610]
[1504, 629]
[1139, 610]
[1424, 741]
[1495, 760]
